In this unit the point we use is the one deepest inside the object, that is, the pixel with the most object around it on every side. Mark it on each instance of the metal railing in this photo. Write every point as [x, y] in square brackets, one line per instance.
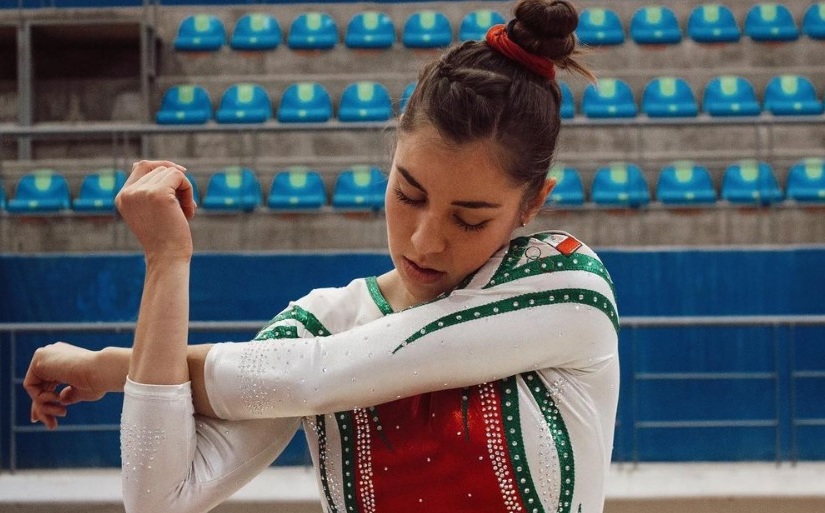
[784, 375]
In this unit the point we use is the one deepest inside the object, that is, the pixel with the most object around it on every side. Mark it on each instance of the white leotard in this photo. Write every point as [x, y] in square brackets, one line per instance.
[499, 397]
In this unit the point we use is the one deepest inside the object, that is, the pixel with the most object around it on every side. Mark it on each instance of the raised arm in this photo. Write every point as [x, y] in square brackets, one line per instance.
[549, 310]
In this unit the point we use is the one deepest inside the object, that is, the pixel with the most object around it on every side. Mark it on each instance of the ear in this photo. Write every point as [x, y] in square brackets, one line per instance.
[535, 204]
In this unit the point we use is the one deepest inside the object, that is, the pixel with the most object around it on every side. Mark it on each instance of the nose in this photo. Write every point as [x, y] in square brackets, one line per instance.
[429, 236]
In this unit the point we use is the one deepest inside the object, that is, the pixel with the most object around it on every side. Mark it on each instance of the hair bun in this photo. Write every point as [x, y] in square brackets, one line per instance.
[546, 28]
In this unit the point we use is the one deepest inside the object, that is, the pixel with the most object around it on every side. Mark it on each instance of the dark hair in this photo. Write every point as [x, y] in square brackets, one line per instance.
[474, 92]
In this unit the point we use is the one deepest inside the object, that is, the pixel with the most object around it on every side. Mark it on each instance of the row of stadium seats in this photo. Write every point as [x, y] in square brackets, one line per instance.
[316, 30]
[231, 189]
[310, 102]
[683, 183]
[686, 183]
[319, 31]
[302, 102]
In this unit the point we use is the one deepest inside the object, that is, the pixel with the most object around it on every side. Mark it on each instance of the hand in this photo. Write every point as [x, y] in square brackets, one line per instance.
[62, 364]
[156, 202]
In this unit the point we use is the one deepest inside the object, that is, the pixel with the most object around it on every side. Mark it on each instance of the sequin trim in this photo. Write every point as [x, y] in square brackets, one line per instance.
[310, 322]
[553, 263]
[379, 299]
[276, 332]
[363, 447]
[496, 449]
[515, 445]
[533, 299]
[561, 438]
[321, 432]
[513, 255]
[346, 427]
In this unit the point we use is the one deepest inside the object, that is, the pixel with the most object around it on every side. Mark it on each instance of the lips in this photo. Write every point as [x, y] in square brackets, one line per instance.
[421, 274]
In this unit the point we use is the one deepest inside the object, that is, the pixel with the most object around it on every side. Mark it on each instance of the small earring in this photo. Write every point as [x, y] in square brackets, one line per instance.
[523, 224]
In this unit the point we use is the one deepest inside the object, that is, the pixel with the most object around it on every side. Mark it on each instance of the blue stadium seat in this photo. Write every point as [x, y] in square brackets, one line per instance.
[2, 195]
[568, 190]
[730, 95]
[806, 181]
[771, 22]
[297, 188]
[813, 23]
[200, 33]
[713, 23]
[600, 27]
[405, 96]
[475, 24]
[620, 184]
[750, 182]
[609, 98]
[655, 25]
[244, 103]
[568, 103]
[669, 97]
[98, 191]
[313, 31]
[305, 102]
[792, 95]
[685, 183]
[370, 30]
[232, 189]
[360, 187]
[427, 29]
[44, 190]
[365, 101]
[256, 31]
[184, 105]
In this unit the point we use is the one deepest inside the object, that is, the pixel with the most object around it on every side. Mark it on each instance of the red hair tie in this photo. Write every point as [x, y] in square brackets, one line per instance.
[498, 39]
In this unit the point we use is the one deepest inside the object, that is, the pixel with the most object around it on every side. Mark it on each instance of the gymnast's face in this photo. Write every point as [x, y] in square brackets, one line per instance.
[449, 208]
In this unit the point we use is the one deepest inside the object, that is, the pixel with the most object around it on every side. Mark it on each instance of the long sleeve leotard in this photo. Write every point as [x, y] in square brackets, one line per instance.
[499, 397]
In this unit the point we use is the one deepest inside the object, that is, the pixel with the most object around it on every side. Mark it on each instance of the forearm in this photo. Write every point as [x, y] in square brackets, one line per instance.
[113, 367]
[160, 347]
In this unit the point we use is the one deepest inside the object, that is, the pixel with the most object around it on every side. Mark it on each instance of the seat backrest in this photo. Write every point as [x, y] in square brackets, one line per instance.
[45, 186]
[365, 101]
[792, 95]
[669, 95]
[200, 32]
[103, 182]
[370, 29]
[256, 31]
[730, 90]
[305, 101]
[713, 23]
[750, 181]
[427, 29]
[568, 189]
[806, 180]
[609, 97]
[475, 24]
[620, 183]
[685, 182]
[188, 103]
[360, 187]
[313, 31]
[770, 21]
[813, 22]
[233, 188]
[600, 26]
[655, 25]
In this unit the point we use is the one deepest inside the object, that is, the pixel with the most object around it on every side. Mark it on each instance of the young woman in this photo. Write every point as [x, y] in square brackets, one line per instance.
[480, 374]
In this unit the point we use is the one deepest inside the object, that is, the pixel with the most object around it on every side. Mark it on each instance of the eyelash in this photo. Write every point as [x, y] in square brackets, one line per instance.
[403, 198]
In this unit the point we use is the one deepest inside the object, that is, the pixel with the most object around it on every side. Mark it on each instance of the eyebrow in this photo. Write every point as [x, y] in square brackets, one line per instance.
[465, 204]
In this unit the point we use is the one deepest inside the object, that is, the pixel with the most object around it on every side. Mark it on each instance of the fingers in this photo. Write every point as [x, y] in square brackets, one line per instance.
[144, 167]
[46, 407]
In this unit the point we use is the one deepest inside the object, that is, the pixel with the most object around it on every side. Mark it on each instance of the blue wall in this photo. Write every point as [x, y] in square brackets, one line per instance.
[687, 393]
